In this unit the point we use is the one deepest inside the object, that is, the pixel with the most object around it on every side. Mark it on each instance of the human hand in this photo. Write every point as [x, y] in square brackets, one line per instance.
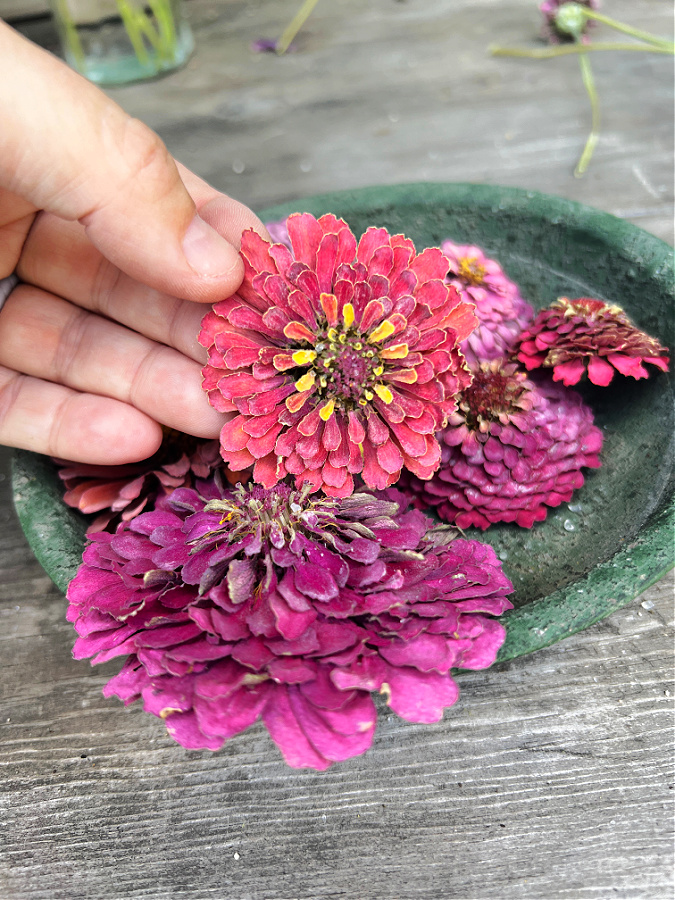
[117, 249]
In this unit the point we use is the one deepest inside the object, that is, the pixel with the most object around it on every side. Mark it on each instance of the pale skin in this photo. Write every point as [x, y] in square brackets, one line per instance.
[118, 249]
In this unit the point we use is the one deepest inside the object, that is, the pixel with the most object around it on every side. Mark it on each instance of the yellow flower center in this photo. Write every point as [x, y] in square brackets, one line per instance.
[345, 365]
[470, 270]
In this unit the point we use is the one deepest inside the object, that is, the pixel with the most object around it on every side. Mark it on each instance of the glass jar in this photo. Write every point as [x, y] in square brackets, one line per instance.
[117, 41]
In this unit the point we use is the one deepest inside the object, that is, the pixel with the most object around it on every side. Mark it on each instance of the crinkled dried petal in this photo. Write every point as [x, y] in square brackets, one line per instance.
[586, 336]
[329, 334]
[232, 606]
[514, 448]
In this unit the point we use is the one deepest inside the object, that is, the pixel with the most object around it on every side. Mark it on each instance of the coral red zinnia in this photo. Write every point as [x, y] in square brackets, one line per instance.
[339, 358]
[119, 493]
[584, 335]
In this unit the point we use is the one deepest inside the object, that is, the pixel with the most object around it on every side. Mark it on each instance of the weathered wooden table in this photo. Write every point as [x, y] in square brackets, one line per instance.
[552, 777]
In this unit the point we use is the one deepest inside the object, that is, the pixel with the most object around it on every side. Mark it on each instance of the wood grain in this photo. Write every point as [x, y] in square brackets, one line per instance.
[552, 776]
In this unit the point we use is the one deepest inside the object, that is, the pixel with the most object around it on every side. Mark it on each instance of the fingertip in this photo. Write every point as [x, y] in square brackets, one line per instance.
[231, 218]
[209, 254]
[103, 431]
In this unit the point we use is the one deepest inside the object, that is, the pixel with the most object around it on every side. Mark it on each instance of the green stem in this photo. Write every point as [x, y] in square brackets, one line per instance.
[294, 26]
[628, 29]
[133, 27]
[167, 29]
[567, 49]
[589, 84]
[71, 37]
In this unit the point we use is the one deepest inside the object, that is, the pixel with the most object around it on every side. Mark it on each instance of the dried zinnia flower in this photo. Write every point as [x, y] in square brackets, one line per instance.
[270, 603]
[119, 493]
[501, 311]
[512, 449]
[584, 335]
[561, 26]
[338, 359]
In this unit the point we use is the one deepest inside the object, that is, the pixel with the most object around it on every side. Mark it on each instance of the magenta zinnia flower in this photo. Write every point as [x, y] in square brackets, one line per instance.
[232, 606]
[119, 493]
[278, 231]
[512, 449]
[501, 311]
[584, 335]
[338, 359]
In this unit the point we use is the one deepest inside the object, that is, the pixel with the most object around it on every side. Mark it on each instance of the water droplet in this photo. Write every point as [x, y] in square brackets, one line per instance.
[574, 507]
[393, 117]
[236, 856]
[647, 604]
[305, 165]
[569, 525]
[503, 554]
[238, 166]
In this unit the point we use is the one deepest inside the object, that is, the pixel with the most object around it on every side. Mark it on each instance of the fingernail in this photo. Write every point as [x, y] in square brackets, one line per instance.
[206, 251]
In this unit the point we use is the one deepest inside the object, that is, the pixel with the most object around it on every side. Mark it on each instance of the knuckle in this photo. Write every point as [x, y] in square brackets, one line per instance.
[147, 160]
[10, 388]
[141, 147]
[72, 340]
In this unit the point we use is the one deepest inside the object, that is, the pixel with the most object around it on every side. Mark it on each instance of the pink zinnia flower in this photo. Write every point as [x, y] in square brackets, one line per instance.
[501, 311]
[119, 493]
[512, 449]
[554, 30]
[267, 603]
[278, 231]
[339, 359]
[575, 337]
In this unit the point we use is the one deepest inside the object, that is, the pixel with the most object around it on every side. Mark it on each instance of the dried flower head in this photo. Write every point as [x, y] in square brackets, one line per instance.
[501, 311]
[236, 605]
[513, 448]
[119, 493]
[584, 335]
[339, 359]
[564, 22]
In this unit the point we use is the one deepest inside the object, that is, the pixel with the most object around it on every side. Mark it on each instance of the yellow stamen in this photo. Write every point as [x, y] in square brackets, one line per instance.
[397, 351]
[378, 371]
[302, 357]
[342, 338]
[306, 382]
[332, 334]
[327, 411]
[368, 395]
[384, 393]
[382, 332]
[348, 314]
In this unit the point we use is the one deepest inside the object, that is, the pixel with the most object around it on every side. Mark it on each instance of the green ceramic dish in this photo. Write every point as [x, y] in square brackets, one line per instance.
[589, 557]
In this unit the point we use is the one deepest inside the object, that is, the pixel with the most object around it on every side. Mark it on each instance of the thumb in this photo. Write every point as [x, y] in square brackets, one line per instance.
[67, 148]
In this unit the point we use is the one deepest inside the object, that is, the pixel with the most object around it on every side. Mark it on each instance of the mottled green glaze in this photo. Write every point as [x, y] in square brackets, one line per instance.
[582, 563]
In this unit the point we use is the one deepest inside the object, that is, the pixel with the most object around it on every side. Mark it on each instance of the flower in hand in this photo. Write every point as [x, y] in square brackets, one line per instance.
[339, 358]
